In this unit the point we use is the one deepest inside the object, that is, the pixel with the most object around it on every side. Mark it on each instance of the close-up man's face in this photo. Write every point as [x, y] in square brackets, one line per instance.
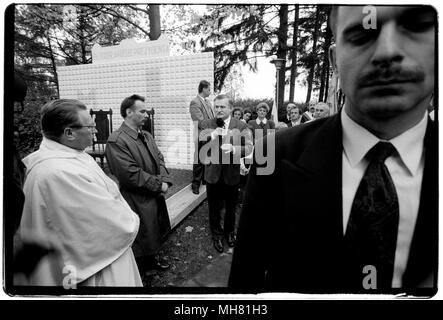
[85, 131]
[385, 58]
[222, 108]
[139, 113]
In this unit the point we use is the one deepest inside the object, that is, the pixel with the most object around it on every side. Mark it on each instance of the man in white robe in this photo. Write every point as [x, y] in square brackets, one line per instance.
[70, 201]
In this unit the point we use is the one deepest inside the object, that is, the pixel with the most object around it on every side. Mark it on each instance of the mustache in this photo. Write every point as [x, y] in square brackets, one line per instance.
[383, 76]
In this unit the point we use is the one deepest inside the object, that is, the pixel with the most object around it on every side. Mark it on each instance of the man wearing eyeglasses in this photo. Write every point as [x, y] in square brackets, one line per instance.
[71, 202]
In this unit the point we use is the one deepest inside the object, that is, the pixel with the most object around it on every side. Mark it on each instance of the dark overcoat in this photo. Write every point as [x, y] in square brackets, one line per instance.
[140, 171]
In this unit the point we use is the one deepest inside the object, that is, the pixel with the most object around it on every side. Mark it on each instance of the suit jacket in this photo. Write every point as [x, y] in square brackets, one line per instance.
[200, 111]
[240, 137]
[300, 249]
[140, 172]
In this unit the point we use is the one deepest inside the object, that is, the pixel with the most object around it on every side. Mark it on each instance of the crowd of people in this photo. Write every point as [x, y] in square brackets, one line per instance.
[373, 163]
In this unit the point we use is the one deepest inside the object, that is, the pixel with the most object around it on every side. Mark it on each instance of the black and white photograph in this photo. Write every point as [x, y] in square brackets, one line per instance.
[220, 149]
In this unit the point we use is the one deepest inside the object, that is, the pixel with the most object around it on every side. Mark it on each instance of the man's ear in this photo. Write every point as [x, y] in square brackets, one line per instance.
[69, 134]
[128, 111]
[333, 58]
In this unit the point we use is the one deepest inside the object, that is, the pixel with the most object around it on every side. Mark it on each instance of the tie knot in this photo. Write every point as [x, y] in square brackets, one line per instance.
[380, 151]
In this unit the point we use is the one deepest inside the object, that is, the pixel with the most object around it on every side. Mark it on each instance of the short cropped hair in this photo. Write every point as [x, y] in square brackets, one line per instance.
[129, 103]
[203, 84]
[323, 104]
[58, 114]
[262, 105]
[290, 103]
[225, 96]
[300, 110]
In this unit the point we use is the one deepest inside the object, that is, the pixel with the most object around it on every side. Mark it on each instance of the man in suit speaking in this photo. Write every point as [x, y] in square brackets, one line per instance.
[226, 141]
[375, 163]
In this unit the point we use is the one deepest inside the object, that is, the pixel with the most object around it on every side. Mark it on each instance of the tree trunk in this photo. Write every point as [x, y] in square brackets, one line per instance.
[82, 27]
[154, 22]
[294, 54]
[310, 79]
[54, 66]
[323, 94]
[282, 51]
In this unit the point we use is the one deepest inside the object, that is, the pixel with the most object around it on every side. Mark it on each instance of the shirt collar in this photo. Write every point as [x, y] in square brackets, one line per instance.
[258, 120]
[357, 141]
[131, 132]
[56, 146]
[227, 121]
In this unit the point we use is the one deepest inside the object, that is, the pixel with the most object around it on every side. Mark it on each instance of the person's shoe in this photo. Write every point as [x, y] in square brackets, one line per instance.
[218, 245]
[162, 266]
[158, 265]
[195, 189]
[231, 239]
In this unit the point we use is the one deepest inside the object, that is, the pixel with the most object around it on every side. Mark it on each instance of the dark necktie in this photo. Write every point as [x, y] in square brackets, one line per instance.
[371, 234]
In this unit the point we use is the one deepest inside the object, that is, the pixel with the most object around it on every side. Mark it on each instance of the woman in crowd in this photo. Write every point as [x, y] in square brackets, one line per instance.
[247, 115]
[261, 123]
[237, 113]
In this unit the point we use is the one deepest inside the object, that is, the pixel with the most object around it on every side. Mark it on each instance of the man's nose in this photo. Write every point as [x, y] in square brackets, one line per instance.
[388, 46]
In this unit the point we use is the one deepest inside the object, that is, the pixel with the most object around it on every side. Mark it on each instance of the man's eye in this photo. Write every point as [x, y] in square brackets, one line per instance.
[360, 37]
[422, 24]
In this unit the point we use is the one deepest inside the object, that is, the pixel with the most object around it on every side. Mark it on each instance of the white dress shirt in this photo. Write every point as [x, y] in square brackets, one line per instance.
[227, 122]
[406, 169]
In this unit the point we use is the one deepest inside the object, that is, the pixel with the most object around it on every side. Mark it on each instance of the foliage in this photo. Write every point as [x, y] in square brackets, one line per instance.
[28, 124]
[239, 34]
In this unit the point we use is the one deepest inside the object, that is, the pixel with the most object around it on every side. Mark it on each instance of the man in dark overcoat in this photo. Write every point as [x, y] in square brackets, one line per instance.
[135, 160]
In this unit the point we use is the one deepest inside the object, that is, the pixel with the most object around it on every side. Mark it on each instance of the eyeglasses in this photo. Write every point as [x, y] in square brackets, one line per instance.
[92, 127]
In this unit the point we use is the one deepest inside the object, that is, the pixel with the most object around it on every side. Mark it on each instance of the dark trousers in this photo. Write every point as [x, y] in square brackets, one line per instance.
[145, 262]
[217, 194]
[197, 168]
